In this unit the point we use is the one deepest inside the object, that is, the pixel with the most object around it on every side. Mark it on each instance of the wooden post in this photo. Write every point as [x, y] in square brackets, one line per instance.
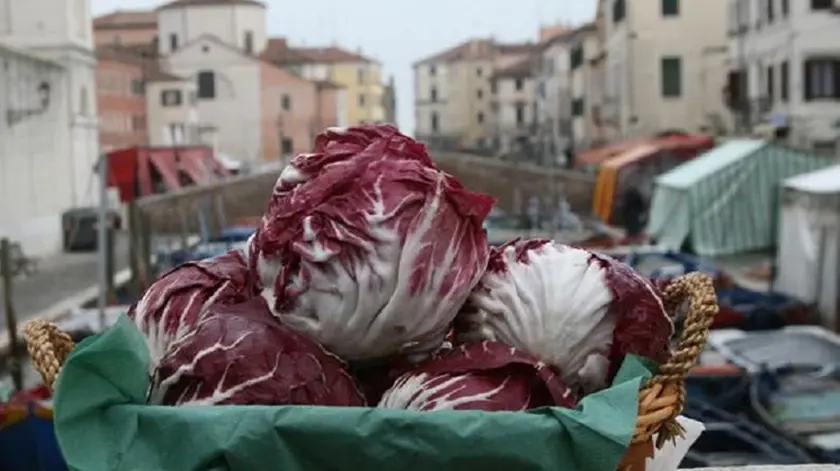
[110, 266]
[8, 305]
[146, 248]
[134, 248]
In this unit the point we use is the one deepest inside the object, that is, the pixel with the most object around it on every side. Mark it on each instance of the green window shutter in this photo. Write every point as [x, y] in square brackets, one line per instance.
[671, 77]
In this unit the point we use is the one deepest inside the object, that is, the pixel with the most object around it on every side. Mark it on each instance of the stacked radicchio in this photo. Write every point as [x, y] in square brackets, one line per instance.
[577, 310]
[369, 280]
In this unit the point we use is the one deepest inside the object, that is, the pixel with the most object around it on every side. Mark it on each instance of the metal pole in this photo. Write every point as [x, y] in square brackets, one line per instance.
[102, 240]
[11, 320]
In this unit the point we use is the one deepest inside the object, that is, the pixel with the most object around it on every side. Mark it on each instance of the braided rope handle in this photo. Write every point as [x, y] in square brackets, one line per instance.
[662, 398]
[48, 348]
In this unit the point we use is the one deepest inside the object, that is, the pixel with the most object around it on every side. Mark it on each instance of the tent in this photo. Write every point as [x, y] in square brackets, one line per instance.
[725, 201]
[809, 241]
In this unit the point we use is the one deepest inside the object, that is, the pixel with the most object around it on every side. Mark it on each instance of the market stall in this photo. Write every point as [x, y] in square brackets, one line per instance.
[724, 201]
[809, 242]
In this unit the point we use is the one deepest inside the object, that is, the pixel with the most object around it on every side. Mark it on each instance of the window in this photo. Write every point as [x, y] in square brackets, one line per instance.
[433, 95]
[577, 107]
[361, 75]
[670, 7]
[173, 42]
[479, 71]
[249, 42]
[432, 70]
[479, 93]
[619, 10]
[770, 84]
[541, 89]
[576, 57]
[206, 85]
[434, 123]
[520, 114]
[480, 117]
[822, 78]
[768, 9]
[671, 77]
[170, 98]
[493, 87]
[361, 99]
[784, 77]
[286, 146]
[138, 123]
[822, 4]
[785, 8]
[138, 87]
[286, 102]
[518, 84]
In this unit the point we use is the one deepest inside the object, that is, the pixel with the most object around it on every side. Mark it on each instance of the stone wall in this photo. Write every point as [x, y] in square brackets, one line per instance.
[247, 196]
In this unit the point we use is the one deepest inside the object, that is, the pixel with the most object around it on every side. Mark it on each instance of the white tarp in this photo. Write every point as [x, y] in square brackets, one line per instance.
[809, 241]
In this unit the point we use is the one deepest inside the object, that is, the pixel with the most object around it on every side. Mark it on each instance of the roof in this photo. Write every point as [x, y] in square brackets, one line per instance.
[722, 156]
[520, 69]
[477, 49]
[602, 153]
[157, 75]
[208, 3]
[279, 51]
[824, 181]
[126, 19]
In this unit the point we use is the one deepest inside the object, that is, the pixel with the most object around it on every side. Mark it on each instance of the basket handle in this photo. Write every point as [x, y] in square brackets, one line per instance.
[48, 348]
[662, 398]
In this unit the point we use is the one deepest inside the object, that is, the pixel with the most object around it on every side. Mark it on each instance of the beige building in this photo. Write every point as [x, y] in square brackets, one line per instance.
[586, 87]
[365, 96]
[172, 113]
[665, 65]
[513, 116]
[453, 92]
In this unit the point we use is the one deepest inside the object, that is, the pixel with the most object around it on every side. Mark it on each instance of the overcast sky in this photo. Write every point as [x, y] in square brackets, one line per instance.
[399, 32]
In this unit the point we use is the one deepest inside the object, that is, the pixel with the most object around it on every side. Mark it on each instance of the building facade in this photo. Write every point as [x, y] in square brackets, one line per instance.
[172, 112]
[48, 134]
[585, 80]
[513, 114]
[785, 69]
[125, 28]
[666, 64]
[453, 92]
[364, 97]
[121, 97]
[553, 96]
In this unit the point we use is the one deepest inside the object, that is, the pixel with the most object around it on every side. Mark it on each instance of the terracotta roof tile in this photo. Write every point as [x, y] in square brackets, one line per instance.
[202, 3]
[478, 49]
[126, 20]
[279, 51]
[520, 69]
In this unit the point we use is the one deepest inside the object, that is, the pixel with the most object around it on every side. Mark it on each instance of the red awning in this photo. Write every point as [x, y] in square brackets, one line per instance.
[165, 165]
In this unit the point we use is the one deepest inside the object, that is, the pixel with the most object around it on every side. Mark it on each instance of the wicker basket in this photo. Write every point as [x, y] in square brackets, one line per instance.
[661, 400]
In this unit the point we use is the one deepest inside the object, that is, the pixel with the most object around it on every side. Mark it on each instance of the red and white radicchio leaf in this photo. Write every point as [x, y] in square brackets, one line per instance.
[241, 354]
[172, 306]
[486, 376]
[579, 311]
[367, 246]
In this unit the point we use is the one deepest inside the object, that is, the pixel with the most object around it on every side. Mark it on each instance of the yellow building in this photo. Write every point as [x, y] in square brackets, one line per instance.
[364, 97]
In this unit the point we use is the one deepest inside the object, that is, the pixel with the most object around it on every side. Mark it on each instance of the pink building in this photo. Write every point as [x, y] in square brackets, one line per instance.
[294, 111]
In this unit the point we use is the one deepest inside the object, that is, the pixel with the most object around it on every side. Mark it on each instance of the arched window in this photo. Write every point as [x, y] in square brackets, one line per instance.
[434, 121]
